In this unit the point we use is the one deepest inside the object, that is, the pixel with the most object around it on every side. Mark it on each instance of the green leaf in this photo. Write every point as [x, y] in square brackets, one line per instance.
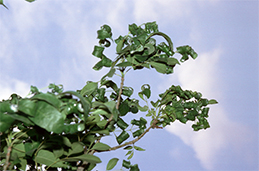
[30, 0]
[126, 164]
[159, 67]
[7, 107]
[145, 91]
[22, 118]
[89, 88]
[31, 147]
[124, 108]
[212, 101]
[104, 33]
[130, 156]
[111, 72]
[133, 28]
[150, 49]
[58, 152]
[77, 147]
[48, 158]
[101, 147]
[134, 167]
[127, 91]
[123, 125]
[85, 102]
[98, 51]
[26, 106]
[124, 64]
[112, 163]
[50, 98]
[5, 122]
[128, 148]
[119, 46]
[105, 131]
[85, 157]
[48, 117]
[110, 84]
[151, 27]
[122, 137]
[104, 62]
[172, 61]
[111, 106]
[139, 148]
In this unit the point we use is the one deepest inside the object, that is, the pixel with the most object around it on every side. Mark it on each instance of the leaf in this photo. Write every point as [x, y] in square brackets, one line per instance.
[48, 117]
[50, 98]
[104, 62]
[128, 148]
[26, 106]
[123, 125]
[58, 152]
[158, 66]
[172, 61]
[89, 88]
[101, 147]
[120, 45]
[98, 51]
[130, 156]
[22, 118]
[122, 137]
[48, 158]
[85, 102]
[124, 108]
[111, 106]
[7, 107]
[105, 131]
[212, 101]
[151, 27]
[124, 64]
[112, 163]
[134, 168]
[85, 157]
[31, 147]
[126, 164]
[127, 91]
[139, 148]
[5, 122]
[77, 147]
[104, 33]
[30, 0]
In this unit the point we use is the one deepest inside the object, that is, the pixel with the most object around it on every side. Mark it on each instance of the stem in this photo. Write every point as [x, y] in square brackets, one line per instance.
[9, 149]
[118, 99]
[120, 92]
[136, 139]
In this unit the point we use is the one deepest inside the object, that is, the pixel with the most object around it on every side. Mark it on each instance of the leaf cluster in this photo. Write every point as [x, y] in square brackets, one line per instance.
[64, 129]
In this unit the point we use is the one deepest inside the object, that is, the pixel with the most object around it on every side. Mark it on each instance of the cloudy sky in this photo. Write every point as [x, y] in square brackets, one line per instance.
[51, 41]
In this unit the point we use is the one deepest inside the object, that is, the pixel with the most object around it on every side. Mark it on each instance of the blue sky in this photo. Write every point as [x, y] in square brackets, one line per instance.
[51, 42]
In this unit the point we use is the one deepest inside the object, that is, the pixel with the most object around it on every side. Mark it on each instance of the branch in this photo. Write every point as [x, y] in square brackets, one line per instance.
[118, 99]
[136, 139]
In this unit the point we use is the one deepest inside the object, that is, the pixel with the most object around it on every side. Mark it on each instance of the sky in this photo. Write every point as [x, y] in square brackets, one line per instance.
[51, 42]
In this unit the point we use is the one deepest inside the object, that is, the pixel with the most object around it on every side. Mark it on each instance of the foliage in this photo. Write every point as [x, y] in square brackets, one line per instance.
[77, 121]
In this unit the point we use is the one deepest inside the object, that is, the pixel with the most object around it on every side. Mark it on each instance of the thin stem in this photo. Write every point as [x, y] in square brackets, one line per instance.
[120, 92]
[9, 149]
[118, 99]
[136, 139]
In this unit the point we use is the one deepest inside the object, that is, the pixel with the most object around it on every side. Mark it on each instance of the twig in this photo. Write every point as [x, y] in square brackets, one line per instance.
[118, 99]
[8, 154]
[136, 139]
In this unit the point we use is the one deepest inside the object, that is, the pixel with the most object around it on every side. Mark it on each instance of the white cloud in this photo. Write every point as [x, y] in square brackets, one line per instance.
[201, 75]
[9, 86]
[166, 10]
